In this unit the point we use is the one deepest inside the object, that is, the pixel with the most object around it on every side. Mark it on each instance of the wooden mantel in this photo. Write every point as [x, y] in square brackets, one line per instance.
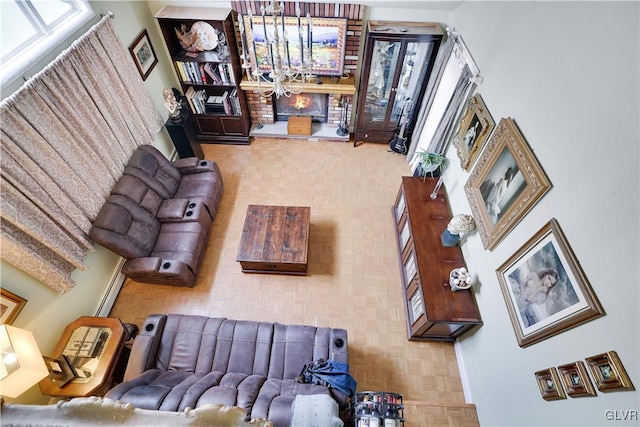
[340, 87]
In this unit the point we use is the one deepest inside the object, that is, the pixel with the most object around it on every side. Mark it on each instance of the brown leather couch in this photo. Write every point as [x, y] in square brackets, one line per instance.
[158, 216]
[186, 361]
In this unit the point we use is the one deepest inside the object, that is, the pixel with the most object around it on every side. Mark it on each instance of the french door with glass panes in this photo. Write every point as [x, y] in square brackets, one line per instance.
[398, 60]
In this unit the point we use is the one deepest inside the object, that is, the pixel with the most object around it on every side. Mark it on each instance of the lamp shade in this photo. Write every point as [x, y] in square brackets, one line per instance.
[21, 363]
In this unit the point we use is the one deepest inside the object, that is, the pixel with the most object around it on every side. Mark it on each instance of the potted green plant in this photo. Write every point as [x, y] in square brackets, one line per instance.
[429, 163]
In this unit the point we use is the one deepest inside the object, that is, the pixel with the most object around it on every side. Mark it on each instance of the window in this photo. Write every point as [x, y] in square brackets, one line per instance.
[31, 28]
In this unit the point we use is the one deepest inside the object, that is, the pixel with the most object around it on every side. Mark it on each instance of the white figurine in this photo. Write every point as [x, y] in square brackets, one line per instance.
[172, 105]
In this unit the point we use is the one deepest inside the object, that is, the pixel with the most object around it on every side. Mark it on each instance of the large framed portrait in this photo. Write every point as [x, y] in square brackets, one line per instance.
[505, 184]
[10, 306]
[143, 54]
[474, 129]
[545, 289]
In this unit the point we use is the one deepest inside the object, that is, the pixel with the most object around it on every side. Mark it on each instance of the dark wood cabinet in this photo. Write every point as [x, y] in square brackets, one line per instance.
[434, 312]
[184, 137]
[398, 59]
[202, 46]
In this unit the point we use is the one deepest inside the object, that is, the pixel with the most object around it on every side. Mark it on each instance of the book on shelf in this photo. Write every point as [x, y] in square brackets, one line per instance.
[209, 69]
[205, 73]
[214, 105]
[226, 103]
[196, 100]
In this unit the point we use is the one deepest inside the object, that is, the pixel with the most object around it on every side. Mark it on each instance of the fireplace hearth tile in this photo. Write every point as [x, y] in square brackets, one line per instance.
[319, 131]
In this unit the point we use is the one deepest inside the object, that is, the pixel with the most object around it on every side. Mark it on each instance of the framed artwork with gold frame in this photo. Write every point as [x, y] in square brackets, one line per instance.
[576, 380]
[474, 129]
[10, 306]
[506, 182]
[549, 384]
[608, 372]
[544, 287]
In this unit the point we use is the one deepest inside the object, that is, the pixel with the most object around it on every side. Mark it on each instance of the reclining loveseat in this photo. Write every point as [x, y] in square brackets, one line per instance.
[187, 361]
[158, 216]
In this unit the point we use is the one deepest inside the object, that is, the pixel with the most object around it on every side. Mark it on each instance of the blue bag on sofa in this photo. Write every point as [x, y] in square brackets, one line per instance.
[329, 373]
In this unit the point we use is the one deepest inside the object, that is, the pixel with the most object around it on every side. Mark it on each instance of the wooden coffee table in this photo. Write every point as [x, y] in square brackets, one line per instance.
[275, 239]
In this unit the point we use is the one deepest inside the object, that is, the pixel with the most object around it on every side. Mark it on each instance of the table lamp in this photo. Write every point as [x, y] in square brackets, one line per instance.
[21, 363]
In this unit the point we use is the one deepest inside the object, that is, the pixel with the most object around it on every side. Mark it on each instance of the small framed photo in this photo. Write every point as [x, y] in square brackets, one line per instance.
[549, 384]
[10, 306]
[545, 288]
[60, 369]
[608, 372]
[576, 380]
[474, 129]
[143, 54]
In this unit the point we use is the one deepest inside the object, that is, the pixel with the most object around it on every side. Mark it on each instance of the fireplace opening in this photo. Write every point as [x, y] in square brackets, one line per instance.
[314, 105]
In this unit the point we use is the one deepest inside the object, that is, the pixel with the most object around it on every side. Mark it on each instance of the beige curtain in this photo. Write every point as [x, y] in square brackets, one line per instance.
[66, 136]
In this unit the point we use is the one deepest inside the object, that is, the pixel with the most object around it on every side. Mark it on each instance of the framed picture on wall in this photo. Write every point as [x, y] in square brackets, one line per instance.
[609, 373]
[10, 306]
[505, 184]
[549, 384]
[545, 289]
[474, 129]
[143, 54]
[576, 380]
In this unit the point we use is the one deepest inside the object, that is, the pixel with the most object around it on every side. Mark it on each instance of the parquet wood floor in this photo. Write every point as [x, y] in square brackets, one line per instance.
[353, 280]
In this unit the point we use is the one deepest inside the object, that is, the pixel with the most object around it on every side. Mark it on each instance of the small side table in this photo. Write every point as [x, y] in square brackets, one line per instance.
[93, 346]
[184, 135]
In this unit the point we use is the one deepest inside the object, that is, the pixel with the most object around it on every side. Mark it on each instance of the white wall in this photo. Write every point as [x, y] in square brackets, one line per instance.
[568, 73]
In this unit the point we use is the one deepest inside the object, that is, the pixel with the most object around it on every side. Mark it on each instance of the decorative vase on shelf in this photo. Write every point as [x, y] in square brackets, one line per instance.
[459, 223]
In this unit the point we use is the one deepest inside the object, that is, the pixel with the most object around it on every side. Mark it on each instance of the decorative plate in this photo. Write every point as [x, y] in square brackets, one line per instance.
[207, 37]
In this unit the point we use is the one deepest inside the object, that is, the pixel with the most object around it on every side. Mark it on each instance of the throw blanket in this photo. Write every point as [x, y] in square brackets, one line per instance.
[96, 411]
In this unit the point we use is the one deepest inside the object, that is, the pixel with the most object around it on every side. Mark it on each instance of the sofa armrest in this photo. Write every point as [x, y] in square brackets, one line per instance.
[160, 271]
[145, 346]
[183, 210]
[338, 350]
[194, 165]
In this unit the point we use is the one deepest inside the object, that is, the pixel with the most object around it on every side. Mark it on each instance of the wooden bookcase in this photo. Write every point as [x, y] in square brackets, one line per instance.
[208, 68]
[434, 312]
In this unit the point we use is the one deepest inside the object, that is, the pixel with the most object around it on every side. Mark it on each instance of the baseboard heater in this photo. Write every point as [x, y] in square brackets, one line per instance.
[111, 292]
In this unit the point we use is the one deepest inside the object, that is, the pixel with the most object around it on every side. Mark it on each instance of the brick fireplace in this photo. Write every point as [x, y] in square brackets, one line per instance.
[337, 89]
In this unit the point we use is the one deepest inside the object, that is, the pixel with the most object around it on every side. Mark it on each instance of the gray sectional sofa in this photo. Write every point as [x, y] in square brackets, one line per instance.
[187, 361]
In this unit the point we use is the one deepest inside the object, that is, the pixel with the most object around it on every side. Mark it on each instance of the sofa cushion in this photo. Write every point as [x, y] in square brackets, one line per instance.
[182, 241]
[125, 227]
[114, 218]
[276, 397]
[139, 192]
[205, 187]
[154, 169]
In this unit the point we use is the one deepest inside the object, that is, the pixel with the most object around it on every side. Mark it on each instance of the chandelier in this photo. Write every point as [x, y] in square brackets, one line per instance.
[277, 72]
